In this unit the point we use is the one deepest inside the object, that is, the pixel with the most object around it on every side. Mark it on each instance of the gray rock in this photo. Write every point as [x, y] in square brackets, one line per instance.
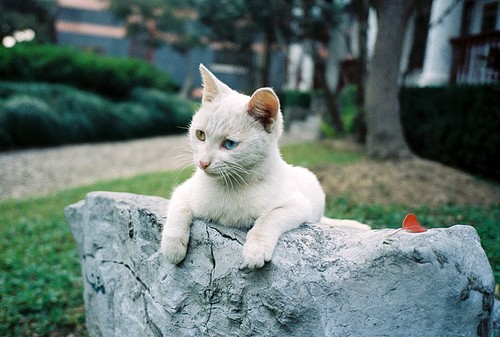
[321, 281]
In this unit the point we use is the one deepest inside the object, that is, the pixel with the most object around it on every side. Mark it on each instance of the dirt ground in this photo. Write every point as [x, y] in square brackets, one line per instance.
[412, 182]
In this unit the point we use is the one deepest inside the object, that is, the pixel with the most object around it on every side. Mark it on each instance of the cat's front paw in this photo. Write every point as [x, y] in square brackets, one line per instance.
[256, 253]
[174, 248]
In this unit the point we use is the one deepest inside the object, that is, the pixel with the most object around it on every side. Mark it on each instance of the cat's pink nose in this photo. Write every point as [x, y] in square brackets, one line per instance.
[204, 164]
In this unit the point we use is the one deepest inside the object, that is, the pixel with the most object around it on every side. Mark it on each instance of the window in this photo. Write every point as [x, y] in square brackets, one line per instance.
[467, 18]
[489, 21]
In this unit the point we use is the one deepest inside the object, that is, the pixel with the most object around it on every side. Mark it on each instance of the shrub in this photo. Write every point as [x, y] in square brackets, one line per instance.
[347, 102]
[108, 76]
[295, 98]
[170, 110]
[28, 121]
[34, 114]
[456, 125]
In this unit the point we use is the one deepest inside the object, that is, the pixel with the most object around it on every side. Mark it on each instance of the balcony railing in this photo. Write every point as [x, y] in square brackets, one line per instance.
[476, 58]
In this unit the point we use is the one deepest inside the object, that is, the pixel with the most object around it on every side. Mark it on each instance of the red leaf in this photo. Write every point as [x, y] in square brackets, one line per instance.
[410, 223]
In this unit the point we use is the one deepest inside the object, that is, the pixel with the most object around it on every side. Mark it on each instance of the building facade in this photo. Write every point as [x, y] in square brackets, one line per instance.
[87, 25]
[462, 45]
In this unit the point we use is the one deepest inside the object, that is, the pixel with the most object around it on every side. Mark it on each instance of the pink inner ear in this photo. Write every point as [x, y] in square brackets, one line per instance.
[264, 107]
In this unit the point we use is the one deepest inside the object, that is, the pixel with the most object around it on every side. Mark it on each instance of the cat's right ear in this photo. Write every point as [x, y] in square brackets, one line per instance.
[212, 86]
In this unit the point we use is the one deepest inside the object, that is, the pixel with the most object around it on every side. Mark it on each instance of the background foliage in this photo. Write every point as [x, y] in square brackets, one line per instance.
[108, 76]
[455, 125]
[40, 114]
[34, 14]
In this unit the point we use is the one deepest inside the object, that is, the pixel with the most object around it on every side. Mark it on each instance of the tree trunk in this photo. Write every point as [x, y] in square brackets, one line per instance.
[188, 81]
[385, 139]
[361, 9]
[266, 60]
[330, 100]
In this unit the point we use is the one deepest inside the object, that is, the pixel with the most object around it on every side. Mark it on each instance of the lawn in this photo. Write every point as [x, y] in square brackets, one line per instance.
[40, 282]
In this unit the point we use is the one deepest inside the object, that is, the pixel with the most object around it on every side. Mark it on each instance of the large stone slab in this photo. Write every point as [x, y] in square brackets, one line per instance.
[321, 281]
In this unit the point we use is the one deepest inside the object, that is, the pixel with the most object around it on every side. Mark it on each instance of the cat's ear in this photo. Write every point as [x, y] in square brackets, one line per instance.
[264, 106]
[212, 86]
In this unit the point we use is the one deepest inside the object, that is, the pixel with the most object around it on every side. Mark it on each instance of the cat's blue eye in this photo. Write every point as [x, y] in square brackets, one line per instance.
[230, 144]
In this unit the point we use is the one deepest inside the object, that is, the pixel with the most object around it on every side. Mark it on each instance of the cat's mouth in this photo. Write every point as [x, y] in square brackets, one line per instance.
[236, 176]
[211, 174]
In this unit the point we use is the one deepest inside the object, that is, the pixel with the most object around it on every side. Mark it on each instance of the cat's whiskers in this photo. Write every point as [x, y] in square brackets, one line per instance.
[239, 173]
[238, 178]
[239, 168]
[184, 161]
[185, 167]
[178, 150]
[231, 175]
[226, 178]
[183, 158]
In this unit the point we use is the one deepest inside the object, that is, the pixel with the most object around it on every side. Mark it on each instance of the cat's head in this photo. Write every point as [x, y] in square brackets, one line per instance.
[234, 134]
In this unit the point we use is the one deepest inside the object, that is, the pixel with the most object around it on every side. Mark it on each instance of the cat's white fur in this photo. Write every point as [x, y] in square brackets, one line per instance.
[249, 186]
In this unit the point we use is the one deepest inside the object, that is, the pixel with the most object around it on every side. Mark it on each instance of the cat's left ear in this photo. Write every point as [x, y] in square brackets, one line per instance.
[264, 106]
[212, 86]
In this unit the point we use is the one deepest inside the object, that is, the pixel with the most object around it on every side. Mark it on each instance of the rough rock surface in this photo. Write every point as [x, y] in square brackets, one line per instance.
[322, 281]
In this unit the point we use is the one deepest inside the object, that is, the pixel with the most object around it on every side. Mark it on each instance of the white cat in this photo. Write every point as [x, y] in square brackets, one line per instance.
[241, 180]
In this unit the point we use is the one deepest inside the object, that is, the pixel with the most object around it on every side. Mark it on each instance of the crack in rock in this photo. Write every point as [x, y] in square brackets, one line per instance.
[210, 292]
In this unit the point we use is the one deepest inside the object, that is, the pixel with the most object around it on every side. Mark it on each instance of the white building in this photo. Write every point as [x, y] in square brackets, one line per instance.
[462, 46]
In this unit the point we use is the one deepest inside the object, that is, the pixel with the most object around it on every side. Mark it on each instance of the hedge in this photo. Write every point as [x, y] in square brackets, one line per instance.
[113, 77]
[456, 125]
[295, 98]
[40, 114]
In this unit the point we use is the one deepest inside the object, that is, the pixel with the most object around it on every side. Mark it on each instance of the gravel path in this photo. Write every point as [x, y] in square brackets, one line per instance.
[36, 172]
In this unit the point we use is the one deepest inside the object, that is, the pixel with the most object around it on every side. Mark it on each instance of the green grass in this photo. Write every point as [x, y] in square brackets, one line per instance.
[312, 154]
[40, 282]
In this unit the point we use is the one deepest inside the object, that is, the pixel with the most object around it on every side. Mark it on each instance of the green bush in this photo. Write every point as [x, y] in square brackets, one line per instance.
[28, 121]
[349, 109]
[170, 110]
[456, 125]
[295, 98]
[37, 114]
[108, 76]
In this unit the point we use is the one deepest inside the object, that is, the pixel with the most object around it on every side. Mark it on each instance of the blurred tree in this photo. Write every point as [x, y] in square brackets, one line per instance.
[38, 15]
[278, 23]
[385, 137]
[150, 23]
[230, 28]
[240, 23]
[153, 22]
[319, 19]
[360, 9]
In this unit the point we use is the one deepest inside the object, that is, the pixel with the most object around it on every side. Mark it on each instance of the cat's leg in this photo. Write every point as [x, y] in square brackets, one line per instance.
[175, 235]
[262, 238]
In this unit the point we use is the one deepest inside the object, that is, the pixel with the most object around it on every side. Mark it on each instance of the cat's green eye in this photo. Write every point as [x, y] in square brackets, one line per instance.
[200, 135]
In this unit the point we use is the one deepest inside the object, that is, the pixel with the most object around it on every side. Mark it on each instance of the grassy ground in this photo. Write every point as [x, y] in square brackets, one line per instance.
[40, 282]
